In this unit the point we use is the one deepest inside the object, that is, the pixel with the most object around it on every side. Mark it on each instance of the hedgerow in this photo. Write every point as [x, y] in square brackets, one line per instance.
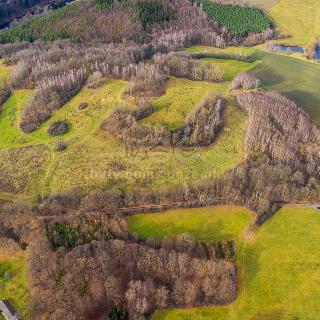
[239, 21]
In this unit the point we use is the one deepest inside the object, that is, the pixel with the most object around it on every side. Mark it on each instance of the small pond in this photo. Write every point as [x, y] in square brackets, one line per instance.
[295, 49]
[318, 54]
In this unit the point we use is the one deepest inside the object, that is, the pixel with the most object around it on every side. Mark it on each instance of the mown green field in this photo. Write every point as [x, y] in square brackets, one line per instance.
[14, 279]
[298, 79]
[298, 19]
[278, 263]
[221, 222]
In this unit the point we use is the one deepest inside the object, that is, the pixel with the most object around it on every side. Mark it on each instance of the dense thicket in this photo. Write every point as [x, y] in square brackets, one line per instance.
[246, 81]
[277, 126]
[239, 21]
[5, 92]
[82, 266]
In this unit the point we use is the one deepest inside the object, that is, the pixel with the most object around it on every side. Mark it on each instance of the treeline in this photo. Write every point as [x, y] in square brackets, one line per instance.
[182, 22]
[58, 70]
[82, 266]
[182, 65]
[201, 127]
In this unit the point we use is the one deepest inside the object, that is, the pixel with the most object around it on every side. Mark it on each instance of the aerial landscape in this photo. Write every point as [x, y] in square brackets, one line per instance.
[160, 159]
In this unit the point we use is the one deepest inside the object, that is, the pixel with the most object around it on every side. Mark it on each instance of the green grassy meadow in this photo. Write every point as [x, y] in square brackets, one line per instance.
[278, 263]
[300, 19]
[95, 160]
[182, 95]
[13, 281]
[32, 167]
[221, 222]
[298, 79]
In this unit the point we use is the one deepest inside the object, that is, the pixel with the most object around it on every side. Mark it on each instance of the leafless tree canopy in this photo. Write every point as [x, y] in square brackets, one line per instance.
[283, 130]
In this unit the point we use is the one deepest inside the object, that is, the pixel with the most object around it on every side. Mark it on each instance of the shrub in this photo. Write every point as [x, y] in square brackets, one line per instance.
[117, 314]
[245, 81]
[58, 128]
[94, 80]
[83, 105]
[4, 94]
[60, 146]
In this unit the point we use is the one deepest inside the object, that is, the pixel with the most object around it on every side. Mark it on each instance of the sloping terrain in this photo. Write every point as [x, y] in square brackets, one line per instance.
[278, 262]
[69, 178]
[114, 164]
[299, 19]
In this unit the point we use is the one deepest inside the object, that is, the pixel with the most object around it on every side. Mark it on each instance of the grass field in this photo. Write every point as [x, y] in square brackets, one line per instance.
[30, 166]
[221, 222]
[300, 19]
[279, 264]
[91, 162]
[181, 96]
[298, 79]
[5, 72]
[95, 160]
[13, 280]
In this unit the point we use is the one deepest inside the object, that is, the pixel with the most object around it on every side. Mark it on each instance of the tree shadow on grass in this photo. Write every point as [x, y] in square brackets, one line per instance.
[268, 76]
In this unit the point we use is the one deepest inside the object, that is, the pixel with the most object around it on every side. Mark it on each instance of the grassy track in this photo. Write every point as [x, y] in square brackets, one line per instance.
[280, 263]
[13, 280]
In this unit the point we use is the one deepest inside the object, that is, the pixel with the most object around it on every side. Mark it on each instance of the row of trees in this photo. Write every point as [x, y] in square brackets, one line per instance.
[50, 95]
[181, 64]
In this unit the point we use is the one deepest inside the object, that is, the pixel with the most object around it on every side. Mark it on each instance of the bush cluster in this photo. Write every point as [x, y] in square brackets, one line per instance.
[58, 128]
